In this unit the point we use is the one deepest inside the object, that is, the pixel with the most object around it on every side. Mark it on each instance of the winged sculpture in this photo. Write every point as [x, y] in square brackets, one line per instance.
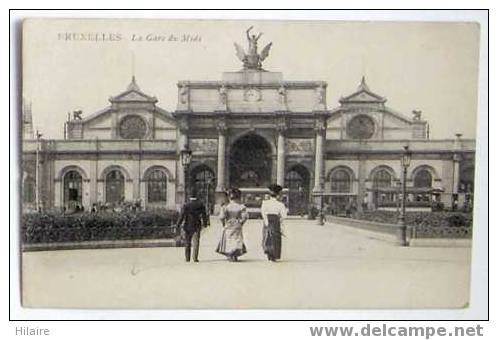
[252, 59]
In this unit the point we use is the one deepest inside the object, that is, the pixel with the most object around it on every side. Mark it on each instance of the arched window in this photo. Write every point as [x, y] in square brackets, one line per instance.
[297, 180]
[73, 184]
[28, 189]
[382, 179]
[157, 185]
[423, 179]
[340, 181]
[114, 186]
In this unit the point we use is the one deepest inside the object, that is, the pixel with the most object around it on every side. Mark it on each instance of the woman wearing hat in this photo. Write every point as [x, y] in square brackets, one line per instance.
[273, 212]
[233, 216]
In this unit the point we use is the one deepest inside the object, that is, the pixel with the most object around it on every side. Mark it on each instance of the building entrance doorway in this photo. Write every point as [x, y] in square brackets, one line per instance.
[73, 184]
[114, 187]
[203, 184]
[297, 180]
[250, 162]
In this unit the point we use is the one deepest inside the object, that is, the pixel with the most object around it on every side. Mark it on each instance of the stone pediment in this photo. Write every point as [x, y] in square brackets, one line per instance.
[363, 95]
[133, 94]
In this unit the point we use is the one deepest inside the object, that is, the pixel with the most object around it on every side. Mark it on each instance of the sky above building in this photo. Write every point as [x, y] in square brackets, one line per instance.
[73, 64]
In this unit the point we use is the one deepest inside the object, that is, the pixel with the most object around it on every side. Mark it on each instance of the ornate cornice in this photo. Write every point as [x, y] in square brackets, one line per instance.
[216, 84]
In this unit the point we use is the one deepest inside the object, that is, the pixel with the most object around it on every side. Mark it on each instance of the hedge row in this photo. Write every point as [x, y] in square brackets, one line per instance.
[439, 219]
[52, 227]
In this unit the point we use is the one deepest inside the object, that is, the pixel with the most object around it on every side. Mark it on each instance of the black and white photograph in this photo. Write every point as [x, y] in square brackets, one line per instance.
[247, 164]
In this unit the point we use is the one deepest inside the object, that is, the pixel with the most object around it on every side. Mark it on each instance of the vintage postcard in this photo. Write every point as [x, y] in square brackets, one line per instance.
[204, 164]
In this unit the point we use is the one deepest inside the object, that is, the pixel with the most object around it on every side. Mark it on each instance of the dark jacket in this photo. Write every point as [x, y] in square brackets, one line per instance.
[193, 216]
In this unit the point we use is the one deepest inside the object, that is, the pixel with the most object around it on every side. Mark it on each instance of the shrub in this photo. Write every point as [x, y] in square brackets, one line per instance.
[423, 218]
[53, 227]
[427, 224]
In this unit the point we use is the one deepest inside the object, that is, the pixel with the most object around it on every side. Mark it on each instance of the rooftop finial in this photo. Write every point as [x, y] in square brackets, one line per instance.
[363, 84]
[133, 85]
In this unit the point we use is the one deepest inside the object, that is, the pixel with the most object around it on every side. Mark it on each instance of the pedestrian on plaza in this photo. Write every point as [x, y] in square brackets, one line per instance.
[233, 216]
[191, 221]
[273, 212]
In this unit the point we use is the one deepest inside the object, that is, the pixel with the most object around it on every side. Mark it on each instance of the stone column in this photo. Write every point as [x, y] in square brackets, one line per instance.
[281, 127]
[280, 158]
[220, 181]
[221, 165]
[456, 172]
[319, 149]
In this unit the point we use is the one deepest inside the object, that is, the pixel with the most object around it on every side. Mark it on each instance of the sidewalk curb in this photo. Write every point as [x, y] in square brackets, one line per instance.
[100, 245]
[414, 242]
[441, 242]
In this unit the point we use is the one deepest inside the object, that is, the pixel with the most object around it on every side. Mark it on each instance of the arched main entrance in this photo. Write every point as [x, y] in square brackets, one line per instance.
[297, 180]
[250, 163]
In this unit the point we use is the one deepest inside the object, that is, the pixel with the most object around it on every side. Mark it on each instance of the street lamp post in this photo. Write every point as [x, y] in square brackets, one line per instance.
[321, 214]
[208, 186]
[405, 163]
[186, 158]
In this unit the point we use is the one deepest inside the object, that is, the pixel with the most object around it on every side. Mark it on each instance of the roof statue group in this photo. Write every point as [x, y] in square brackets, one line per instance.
[252, 59]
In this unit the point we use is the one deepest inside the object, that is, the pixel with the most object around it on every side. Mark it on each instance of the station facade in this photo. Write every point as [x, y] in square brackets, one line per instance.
[248, 129]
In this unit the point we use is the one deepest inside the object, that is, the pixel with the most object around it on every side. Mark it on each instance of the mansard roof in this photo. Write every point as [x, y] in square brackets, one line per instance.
[133, 94]
[363, 95]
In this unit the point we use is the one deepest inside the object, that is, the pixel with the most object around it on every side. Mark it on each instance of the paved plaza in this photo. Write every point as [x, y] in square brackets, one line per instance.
[323, 267]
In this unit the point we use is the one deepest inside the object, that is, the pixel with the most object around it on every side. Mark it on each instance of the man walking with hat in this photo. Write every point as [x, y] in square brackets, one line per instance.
[192, 219]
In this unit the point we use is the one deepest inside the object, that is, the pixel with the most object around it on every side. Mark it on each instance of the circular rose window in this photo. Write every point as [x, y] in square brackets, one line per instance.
[361, 127]
[132, 127]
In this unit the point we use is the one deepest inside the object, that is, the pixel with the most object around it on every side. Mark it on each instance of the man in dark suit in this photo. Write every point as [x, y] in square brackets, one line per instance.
[192, 219]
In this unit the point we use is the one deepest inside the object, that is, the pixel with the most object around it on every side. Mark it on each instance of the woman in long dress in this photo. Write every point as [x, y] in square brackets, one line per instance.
[273, 212]
[233, 216]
